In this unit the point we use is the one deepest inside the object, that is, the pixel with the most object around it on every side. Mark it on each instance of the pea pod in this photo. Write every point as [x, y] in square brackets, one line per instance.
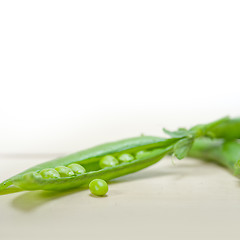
[229, 130]
[43, 176]
[226, 128]
[224, 153]
[119, 158]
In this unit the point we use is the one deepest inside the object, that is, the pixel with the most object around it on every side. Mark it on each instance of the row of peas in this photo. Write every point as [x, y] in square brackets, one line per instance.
[98, 186]
[74, 168]
[111, 161]
[62, 171]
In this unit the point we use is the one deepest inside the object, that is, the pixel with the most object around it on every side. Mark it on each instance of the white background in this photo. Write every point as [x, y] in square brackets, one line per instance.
[78, 73]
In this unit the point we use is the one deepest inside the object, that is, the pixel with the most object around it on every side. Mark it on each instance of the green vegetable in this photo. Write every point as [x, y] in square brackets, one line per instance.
[229, 130]
[89, 159]
[77, 168]
[49, 173]
[225, 153]
[98, 187]
[64, 171]
[125, 157]
[225, 128]
[182, 147]
[101, 162]
[140, 153]
[108, 161]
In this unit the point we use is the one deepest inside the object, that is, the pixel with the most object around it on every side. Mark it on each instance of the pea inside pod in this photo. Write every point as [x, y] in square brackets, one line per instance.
[140, 153]
[100, 162]
[64, 171]
[125, 157]
[108, 161]
[77, 168]
[49, 173]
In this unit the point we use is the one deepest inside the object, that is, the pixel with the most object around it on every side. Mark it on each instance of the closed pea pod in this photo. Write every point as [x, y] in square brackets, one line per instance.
[225, 153]
[228, 130]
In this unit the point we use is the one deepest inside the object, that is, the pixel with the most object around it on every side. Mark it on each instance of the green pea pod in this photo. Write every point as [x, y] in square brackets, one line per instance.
[224, 153]
[34, 179]
[228, 130]
[119, 158]
[225, 128]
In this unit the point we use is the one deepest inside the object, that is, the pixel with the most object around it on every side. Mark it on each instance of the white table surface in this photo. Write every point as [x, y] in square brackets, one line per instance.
[189, 200]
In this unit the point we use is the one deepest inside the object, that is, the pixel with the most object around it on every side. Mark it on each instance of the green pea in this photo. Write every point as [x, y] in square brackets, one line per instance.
[140, 153]
[77, 168]
[98, 187]
[108, 161]
[29, 176]
[49, 173]
[125, 157]
[64, 171]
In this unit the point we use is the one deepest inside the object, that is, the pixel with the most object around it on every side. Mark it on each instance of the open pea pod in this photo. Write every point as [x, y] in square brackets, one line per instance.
[144, 151]
[119, 158]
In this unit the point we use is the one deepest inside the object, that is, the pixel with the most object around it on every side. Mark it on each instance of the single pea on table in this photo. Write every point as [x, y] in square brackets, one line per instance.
[98, 187]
